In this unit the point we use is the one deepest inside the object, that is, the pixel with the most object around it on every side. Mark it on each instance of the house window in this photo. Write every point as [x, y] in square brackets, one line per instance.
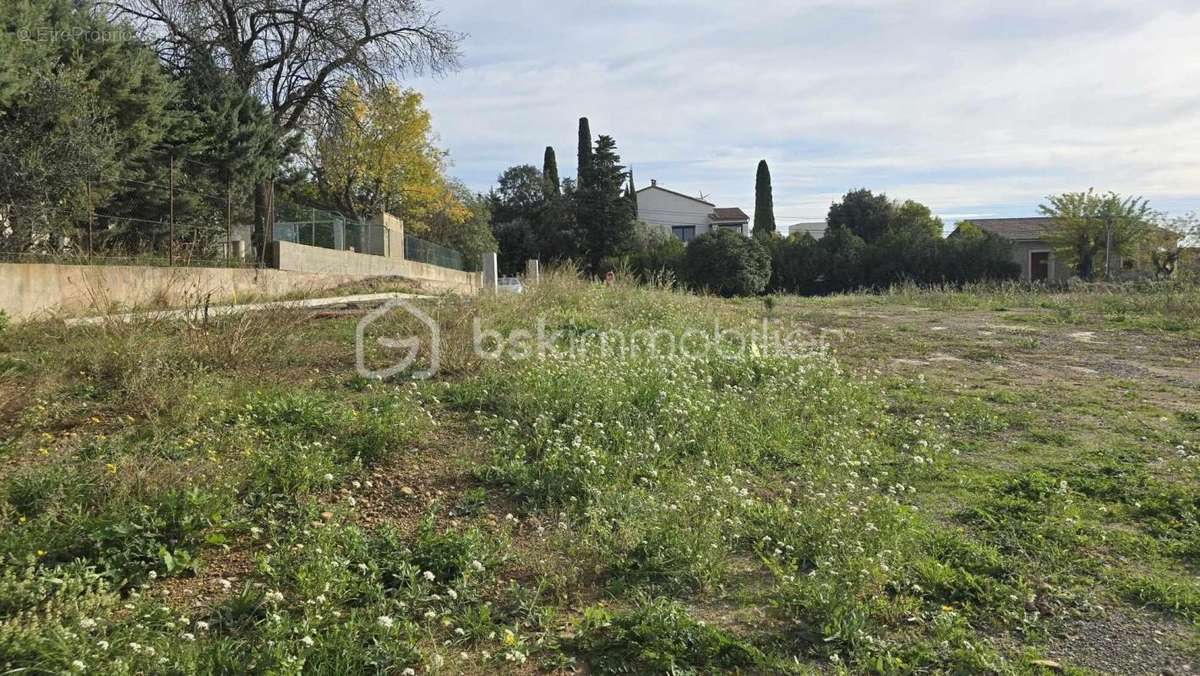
[736, 228]
[685, 233]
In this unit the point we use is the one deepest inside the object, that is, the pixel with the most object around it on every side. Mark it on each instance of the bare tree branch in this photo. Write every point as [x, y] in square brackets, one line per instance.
[294, 54]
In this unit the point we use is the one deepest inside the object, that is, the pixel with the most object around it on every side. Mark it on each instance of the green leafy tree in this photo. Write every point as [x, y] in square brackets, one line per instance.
[517, 242]
[1091, 231]
[840, 254]
[901, 255]
[379, 156]
[863, 213]
[764, 202]
[55, 142]
[467, 229]
[914, 216]
[727, 263]
[516, 205]
[296, 55]
[971, 255]
[658, 255]
[605, 216]
[77, 115]
[550, 174]
[795, 267]
[223, 142]
[557, 235]
[519, 193]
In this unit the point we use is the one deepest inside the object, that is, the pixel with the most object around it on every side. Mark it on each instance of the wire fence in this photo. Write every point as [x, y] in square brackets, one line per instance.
[416, 249]
[179, 211]
[331, 230]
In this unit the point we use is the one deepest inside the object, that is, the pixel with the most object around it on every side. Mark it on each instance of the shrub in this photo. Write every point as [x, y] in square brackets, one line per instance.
[726, 263]
[3, 321]
[840, 253]
[795, 267]
[656, 253]
[908, 255]
[971, 255]
[659, 637]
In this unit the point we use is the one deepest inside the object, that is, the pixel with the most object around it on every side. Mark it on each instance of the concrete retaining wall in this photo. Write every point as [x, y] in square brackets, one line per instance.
[301, 258]
[35, 290]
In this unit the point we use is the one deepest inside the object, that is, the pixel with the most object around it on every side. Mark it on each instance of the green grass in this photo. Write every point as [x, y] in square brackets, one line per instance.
[621, 512]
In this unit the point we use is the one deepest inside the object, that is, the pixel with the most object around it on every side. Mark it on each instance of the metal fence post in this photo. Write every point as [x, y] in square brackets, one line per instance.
[91, 219]
[229, 218]
[171, 200]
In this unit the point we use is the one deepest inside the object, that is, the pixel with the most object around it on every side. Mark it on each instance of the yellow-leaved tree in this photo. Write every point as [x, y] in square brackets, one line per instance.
[379, 154]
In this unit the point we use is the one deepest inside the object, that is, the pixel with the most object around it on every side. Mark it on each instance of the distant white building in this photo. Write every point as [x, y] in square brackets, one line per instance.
[687, 217]
[814, 228]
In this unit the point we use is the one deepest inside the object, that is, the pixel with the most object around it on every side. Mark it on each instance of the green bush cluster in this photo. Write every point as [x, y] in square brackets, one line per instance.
[841, 261]
[658, 636]
[726, 263]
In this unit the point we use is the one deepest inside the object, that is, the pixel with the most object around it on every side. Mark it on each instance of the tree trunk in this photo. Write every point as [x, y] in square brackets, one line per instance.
[264, 221]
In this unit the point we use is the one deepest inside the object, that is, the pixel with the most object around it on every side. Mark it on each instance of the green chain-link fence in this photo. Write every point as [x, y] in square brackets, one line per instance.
[416, 249]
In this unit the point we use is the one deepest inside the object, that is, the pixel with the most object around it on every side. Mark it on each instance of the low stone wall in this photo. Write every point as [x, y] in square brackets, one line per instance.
[35, 290]
[309, 259]
[31, 291]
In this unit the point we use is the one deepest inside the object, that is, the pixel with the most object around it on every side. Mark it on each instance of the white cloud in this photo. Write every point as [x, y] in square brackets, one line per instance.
[965, 106]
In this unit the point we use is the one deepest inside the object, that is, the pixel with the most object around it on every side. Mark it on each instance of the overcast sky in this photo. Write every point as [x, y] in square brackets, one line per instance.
[974, 108]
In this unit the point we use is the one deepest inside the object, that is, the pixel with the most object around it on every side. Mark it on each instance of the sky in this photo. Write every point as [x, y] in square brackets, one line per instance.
[976, 109]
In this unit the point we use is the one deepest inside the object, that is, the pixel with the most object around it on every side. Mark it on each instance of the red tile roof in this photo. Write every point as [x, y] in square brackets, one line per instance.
[728, 214]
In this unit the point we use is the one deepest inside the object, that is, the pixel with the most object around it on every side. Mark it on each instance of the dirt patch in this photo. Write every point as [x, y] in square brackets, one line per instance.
[1125, 642]
[223, 574]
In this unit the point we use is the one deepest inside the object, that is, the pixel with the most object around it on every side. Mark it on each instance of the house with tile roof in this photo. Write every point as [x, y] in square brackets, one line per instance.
[1036, 257]
[1029, 247]
[687, 217]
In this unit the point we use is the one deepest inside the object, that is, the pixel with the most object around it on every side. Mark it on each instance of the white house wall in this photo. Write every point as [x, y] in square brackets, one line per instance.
[666, 210]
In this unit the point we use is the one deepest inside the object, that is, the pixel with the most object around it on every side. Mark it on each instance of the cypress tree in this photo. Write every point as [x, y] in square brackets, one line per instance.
[633, 193]
[764, 202]
[585, 154]
[550, 174]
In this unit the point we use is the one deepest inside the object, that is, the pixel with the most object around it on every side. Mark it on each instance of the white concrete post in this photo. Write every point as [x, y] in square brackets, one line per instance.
[490, 275]
[533, 272]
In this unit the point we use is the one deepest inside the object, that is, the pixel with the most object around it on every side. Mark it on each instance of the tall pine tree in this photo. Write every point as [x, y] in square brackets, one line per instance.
[550, 174]
[764, 202]
[606, 216]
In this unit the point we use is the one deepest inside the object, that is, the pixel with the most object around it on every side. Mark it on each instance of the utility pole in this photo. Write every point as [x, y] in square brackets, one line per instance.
[1107, 248]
